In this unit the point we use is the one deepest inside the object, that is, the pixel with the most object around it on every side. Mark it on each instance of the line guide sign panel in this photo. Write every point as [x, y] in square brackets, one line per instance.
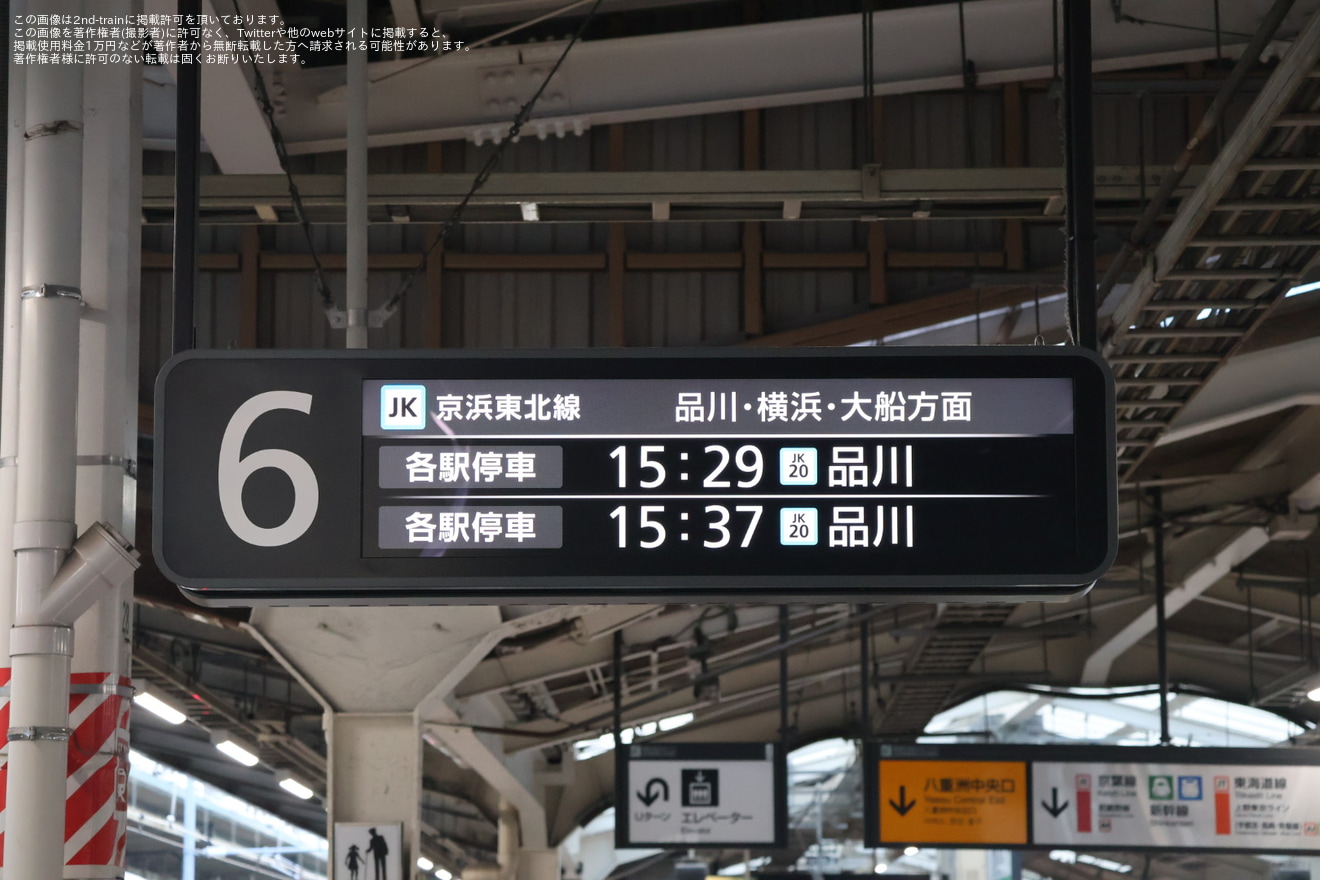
[1234, 800]
[306, 477]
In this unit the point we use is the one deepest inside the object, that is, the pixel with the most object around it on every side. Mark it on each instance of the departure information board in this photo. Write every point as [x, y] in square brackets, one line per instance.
[508, 477]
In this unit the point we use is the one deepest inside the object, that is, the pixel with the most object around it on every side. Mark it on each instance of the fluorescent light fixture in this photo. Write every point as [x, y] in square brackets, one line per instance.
[443, 874]
[158, 707]
[424, 863]
[910, 851]
[296, 788]
[1313, 695]
[531, 212]
[1302, 288]
[675, 721]
[231, 749]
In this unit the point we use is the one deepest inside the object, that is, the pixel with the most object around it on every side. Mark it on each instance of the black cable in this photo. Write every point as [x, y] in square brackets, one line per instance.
[1054, 12]
[282, 153]
[1219, 36]
[868, 82]
[1132, 19]
[969, 148]
[515, 128]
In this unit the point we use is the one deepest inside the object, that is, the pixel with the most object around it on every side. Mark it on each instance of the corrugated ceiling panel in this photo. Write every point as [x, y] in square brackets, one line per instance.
[682, 308]
[816, 136]
[930, 131]
[693, 143]
[523, 309]
[527, 238]
[794, 298]
[683, 237]
[827, 236]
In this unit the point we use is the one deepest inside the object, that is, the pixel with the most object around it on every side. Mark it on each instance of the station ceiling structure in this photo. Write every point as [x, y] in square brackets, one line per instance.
[710, 173]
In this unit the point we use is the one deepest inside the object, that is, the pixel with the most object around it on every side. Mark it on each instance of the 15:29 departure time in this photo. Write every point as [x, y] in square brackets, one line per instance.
[719, 467]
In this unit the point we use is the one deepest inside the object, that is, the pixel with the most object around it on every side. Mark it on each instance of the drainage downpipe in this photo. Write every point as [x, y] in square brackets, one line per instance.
[355, 181]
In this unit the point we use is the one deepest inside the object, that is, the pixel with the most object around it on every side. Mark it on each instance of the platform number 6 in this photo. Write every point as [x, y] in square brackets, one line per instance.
[235, 469]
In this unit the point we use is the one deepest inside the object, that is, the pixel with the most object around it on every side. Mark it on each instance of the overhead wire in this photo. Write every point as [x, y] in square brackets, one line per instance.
[486, 41]
[483, 175]
[295, 196]
[282, 154]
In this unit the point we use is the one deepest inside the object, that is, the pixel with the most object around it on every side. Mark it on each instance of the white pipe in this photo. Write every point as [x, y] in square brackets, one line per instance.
[1198, 580]
[44, 518]
[12, 311]
[355, 182]
[108, 341]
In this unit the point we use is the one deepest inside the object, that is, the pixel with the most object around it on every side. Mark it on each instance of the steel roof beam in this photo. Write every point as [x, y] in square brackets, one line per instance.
[1023, 192]
[729, 69]
[1279, 90]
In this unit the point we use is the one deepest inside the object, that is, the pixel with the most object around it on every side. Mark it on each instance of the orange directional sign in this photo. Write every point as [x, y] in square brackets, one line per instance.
[955, 802]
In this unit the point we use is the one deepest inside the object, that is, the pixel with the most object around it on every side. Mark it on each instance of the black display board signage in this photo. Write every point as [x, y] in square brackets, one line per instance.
[1132, 799]
[811, 475]
[699, 795]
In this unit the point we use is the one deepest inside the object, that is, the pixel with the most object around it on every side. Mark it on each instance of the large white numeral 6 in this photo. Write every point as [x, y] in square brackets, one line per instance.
[234, 472]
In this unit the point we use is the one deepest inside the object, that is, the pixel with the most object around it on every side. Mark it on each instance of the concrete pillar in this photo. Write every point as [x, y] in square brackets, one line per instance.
[375, 775]
[538, 864]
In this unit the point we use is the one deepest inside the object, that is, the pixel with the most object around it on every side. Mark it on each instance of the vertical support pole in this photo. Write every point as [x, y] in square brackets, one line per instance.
[13, 280]
[864, 712]
[1301, 619]
[784, 733]
[355, 179]
[42, 647]
[433, 336]
[1161, 618]
[1015, 258]
[188, 869]
[753, 280]
[1310, 612]
[877, 245]
[617, 686]
[752, 234]
[106, 484]
[15, 117]
[249, 287]
[187, 149]
[1079, 155]
[617, 254]
[1251, 644]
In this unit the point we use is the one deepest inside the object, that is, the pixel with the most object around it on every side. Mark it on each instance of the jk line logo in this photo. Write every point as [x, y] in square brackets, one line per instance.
[402, 407]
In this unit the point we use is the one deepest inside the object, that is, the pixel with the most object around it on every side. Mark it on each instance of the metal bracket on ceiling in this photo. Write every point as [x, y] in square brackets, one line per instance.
[376, 318]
